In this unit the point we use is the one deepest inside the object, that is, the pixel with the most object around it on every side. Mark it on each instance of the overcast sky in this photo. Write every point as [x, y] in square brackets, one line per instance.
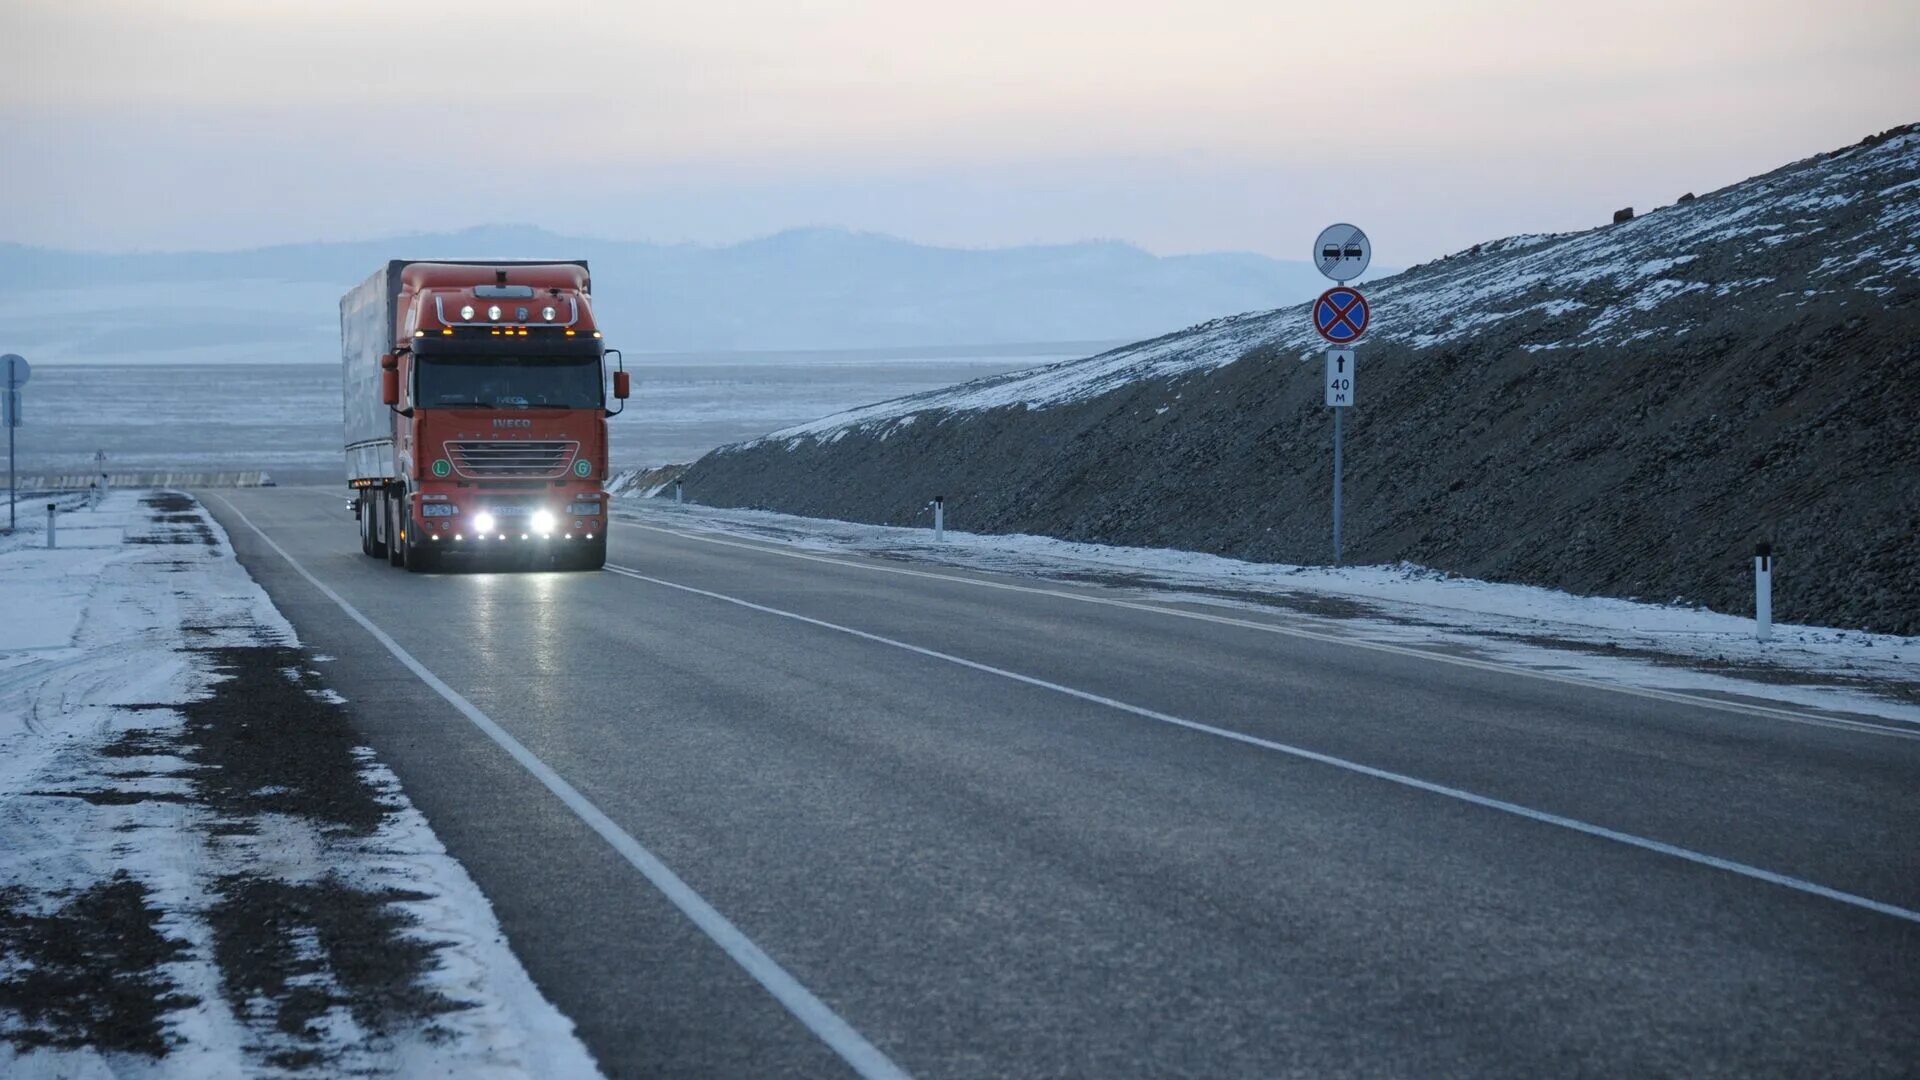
[1180, 125]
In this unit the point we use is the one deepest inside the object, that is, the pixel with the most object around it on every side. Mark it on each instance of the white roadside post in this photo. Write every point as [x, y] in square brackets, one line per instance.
[677, 495]
[1342, 253]
[50, 511]
[1763, 591]
[939, 505]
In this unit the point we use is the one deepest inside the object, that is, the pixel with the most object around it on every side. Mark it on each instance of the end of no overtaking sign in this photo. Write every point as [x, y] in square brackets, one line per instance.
[1342, 252]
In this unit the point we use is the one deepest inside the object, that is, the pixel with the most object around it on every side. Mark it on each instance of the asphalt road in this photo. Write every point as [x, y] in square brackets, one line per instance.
[963, 830]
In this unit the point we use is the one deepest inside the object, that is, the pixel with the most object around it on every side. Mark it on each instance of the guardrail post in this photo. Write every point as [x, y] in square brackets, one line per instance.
[50, 510]
[678, 494]
[939, 519]
[1763, 591]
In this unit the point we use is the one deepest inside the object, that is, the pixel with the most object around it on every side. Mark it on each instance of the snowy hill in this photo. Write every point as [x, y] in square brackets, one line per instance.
[1622, 411]
[802, 289]
[1838, 228]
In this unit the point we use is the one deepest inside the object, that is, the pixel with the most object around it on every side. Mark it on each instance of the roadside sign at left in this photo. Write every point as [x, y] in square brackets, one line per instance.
[17, 372]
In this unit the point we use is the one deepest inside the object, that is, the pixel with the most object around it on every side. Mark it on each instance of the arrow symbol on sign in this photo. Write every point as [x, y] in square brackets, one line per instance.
[1340, 363]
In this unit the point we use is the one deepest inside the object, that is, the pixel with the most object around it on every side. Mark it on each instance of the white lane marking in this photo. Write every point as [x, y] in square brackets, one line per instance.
[1672, 696]
[853, 1048]
[1576, 825]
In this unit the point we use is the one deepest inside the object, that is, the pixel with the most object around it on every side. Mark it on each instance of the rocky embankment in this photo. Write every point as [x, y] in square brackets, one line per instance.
[1624, 411]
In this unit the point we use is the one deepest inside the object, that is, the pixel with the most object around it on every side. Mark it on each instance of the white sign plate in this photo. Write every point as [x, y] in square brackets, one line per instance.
[14, 370]
[1340, 376]
[1342, 252]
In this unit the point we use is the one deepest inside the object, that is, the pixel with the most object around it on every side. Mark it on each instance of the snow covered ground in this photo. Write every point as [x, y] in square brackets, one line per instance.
[1619, 642]
[200, 874]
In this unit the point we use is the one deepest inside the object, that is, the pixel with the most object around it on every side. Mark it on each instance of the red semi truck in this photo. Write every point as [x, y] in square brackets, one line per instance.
[475, 407]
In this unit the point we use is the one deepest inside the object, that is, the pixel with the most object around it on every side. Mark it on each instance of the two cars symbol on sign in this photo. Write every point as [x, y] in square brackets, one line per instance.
[1340, 315]
[1342, 252]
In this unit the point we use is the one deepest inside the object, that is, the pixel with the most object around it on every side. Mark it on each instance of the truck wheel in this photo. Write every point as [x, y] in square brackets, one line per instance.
[370, 526]
[591, 556]
[421, 558]
[396, 547]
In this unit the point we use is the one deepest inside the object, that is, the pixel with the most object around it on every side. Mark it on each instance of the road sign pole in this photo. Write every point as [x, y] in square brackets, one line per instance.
[1336, 485]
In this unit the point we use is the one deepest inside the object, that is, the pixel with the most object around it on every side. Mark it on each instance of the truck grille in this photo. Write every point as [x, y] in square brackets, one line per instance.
[515, 458]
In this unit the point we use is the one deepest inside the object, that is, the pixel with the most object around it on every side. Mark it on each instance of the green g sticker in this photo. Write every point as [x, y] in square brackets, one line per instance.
[582, 467]
[442, 468]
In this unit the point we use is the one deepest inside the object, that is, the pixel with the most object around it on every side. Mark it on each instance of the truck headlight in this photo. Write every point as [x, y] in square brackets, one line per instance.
[483, 522]
[494, 313]
[542, 521]
[466, 313]
[548, 313]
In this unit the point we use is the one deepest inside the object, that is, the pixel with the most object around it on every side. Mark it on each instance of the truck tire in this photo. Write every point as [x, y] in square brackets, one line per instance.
[370, 508]
[396, 547]
[590, 556]
[421, 557]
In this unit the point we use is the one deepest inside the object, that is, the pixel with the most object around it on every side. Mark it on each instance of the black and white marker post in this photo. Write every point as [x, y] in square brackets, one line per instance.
[1342, 253]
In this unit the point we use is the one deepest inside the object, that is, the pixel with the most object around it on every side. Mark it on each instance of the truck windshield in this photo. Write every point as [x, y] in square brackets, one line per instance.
[510, 382]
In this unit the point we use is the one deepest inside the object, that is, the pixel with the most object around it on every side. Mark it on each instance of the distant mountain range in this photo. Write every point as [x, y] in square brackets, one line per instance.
[816, 288]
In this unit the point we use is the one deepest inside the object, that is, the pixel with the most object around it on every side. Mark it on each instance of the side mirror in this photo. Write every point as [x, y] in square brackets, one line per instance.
[390, 385]
[621, 387]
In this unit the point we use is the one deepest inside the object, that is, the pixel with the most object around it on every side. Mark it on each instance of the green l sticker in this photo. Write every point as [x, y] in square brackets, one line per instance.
[442, 467]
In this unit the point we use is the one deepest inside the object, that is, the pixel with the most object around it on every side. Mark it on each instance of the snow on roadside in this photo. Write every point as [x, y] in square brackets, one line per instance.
[200, 875]
[1653, 646]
